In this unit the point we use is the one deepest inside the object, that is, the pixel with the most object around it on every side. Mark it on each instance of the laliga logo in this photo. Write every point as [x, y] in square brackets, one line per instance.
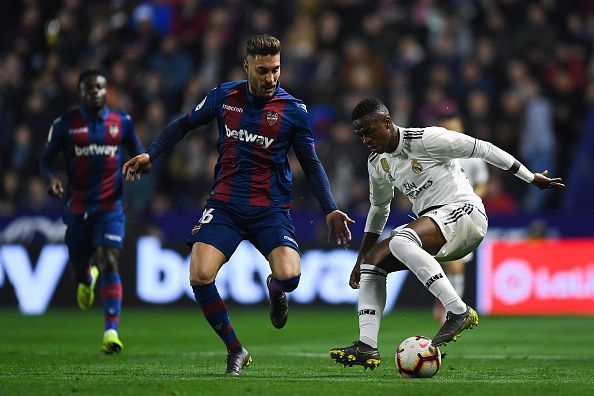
[516, 282]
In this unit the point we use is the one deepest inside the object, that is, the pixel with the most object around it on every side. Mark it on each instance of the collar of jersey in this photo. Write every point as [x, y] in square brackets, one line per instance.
[400, 140]
[257, 99]
[103, 114]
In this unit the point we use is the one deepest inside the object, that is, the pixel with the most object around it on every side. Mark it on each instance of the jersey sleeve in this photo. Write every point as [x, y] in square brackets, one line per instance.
[381, 194]
[443, 144]
[131, 141]
[202, 114]
[303, 145]
[56, 138]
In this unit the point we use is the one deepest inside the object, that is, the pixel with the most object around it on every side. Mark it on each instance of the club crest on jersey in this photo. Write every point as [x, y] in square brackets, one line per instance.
[416, 166]
[114, 130]
[271, 117]
[385, 165]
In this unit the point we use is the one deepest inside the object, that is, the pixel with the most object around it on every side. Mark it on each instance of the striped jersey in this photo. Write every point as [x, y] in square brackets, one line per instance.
[423, 167]
[255, 135]
[92, 149]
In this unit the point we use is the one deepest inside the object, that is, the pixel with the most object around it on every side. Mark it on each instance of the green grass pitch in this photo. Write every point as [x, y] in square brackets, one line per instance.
[174, 352]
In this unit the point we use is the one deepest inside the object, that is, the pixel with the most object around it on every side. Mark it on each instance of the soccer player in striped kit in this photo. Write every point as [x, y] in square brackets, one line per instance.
[258, 123]
[91, 138]
[451, 220]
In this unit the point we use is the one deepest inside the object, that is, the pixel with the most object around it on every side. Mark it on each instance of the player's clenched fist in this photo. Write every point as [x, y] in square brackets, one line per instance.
[55, 189]
[136, 166]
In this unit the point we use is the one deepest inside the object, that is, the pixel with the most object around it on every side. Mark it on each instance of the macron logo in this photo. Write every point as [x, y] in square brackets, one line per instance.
[245, 136]
[95, 149]
[233, 108]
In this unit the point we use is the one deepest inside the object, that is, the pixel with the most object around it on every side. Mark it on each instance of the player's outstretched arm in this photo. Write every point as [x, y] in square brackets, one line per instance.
[136, 166]
[338, 226]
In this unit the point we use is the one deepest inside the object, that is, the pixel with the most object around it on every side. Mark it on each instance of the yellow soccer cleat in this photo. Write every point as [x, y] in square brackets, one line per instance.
[86, 293]
[359, 353]
[454, 326]
[111, 342]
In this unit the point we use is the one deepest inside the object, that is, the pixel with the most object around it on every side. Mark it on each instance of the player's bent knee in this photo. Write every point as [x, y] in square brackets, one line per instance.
[201, 279]
[403, 241]
[111, 260]
[290, 284]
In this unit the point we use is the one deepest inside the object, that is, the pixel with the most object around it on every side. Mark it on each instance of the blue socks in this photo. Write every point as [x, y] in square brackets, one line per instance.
[111, 295]
[215, 312]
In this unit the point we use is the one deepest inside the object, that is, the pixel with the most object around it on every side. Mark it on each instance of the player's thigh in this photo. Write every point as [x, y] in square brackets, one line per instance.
[432, 239]
[217, 227]
[109, 229]
[271, 229]
[381, 256]
[78, 239]
[284, 262]
[205, 263]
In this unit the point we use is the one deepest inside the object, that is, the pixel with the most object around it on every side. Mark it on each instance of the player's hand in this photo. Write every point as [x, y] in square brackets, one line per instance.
[542, 181]
[55, 189]
[338, 226]
[355, 275]
[136, 166]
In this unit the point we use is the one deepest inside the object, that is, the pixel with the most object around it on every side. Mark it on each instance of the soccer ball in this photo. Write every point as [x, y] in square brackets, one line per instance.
[416, 358]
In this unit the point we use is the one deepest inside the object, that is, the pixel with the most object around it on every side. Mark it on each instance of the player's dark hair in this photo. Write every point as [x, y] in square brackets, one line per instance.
[369, 106]
[263, 44]
[88, 73]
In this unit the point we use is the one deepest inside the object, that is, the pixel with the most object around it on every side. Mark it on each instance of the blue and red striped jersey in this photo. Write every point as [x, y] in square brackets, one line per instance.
[255, 136]
[92, 148]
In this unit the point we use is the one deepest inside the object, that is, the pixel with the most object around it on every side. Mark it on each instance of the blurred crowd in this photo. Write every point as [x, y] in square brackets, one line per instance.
[518, 73]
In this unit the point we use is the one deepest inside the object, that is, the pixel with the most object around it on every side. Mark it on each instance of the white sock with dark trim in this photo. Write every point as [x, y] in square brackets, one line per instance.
[372, 301]
[406, 247]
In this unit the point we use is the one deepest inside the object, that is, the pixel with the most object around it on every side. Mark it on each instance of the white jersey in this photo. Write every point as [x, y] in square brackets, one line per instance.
[424, 167]
[475, 170]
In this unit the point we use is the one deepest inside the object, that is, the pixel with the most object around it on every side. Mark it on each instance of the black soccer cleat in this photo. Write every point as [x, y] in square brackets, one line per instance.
[359, 353]
[236, 361]
[279, 307]
[454, 325]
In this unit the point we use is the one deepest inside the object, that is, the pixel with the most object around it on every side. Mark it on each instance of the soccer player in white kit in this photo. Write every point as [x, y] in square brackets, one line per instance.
[451, 219]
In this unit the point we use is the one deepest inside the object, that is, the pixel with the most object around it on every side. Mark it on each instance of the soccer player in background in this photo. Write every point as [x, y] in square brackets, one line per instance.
[258, 123]
[451, 222]
[477, 173]
[91, 138]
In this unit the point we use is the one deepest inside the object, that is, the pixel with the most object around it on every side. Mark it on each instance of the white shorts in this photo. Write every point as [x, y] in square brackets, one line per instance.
[463, 225]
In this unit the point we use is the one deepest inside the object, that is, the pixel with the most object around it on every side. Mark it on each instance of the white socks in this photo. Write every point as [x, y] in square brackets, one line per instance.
[406, 247]
[372, 301]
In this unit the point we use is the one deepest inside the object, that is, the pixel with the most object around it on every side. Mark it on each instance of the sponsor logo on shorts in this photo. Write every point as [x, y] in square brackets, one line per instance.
[366, 312]
[290, 239]
[433, 279]
[113, 237]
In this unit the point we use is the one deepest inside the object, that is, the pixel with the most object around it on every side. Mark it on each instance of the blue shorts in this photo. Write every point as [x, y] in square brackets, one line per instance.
[84, 232]
[224, 226]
